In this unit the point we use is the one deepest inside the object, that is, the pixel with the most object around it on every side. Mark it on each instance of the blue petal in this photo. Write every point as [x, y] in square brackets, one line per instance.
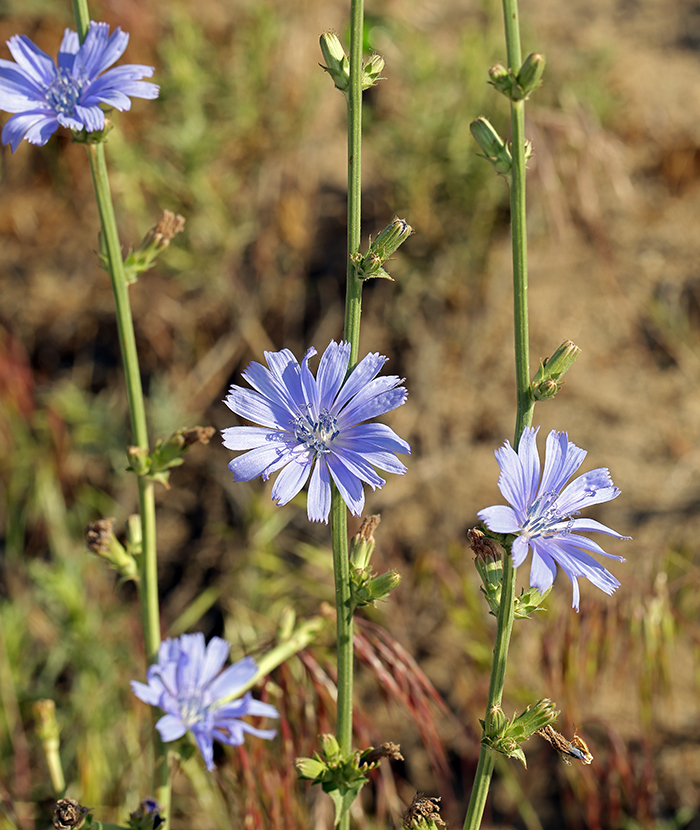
[170, 728]
[308, 385]
[362, 409]
[376, 436]
[543, 569]
[530, 461]
[286, 370]
[318, 501]
[500, 519]
[17, 91]
[358, 466]
[510, 481]
[68, 49]
[562, 459]
[588, 544]
[206, 746]
[248, 438]
[594, 487]
[591, 526]
[34, 62]
[261, 410]
[291, 479]
[349, 486]
[92, 117]
[332, 369]
[37, 126]
[231, 680]
[262, 461]
[518, 552]
[361, 375]
[148, 694]
[215, 656]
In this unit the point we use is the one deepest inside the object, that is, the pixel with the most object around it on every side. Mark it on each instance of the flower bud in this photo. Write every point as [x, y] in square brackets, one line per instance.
[492, 145]
[371, 71]
[547, 381]
[502, 79]
[380, 250]
[337, 63]
[530, 74]
[310, 768]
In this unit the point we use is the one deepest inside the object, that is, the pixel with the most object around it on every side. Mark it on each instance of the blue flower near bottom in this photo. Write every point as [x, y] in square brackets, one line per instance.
[188, 685]
[542, 511]
[313, 427]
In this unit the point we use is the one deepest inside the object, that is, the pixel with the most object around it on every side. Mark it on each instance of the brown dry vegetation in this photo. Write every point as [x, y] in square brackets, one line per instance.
[249, 147]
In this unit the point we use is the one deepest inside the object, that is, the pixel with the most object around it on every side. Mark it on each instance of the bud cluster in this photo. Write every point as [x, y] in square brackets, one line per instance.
[371, 265]
[366, 588]
[518, 87]
[506, 736]
[166, 454]
[547, 382]
[342, 775]
[338, 66]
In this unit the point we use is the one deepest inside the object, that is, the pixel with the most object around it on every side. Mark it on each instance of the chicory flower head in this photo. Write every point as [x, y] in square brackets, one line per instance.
[315, 426]
[186, 684]
[45, 95]
[541, 511]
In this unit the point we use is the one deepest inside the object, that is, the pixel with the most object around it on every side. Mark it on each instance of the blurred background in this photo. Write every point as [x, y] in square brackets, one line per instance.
[247, 142]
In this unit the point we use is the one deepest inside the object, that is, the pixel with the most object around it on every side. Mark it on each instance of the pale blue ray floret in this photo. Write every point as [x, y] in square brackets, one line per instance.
[542, 512]
[188, 685]
[45, 95]
[315, 427]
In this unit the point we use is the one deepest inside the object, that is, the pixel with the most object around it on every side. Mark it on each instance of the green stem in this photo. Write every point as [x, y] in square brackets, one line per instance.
[525, 406]
[353, 291]
[353, 309]
[484, 770]
[148, 587]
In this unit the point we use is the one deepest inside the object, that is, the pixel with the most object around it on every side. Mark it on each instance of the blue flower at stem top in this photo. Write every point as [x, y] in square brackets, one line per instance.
[188, 685]
[315, 427]
[45, 95]
[541, 511]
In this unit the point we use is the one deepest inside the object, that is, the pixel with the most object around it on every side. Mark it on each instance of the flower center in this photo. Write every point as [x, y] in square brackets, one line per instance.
[64, 92]
[541, 515]
[316, 435]
[192, 708]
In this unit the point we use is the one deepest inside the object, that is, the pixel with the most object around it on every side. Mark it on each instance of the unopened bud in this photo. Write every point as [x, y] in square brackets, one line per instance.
[371, 71]
[547, 381]
[337, 63]
[502, 79]
[492, 145]
[530, 75]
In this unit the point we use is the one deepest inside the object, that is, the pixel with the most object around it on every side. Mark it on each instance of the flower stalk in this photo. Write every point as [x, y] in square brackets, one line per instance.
[353, 310]
[148, 584]
[524, 402]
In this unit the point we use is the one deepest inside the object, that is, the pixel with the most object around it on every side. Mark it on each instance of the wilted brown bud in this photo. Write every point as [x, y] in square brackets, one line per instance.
[386, 750]
[484, 548]
[201, 435]
[98, 536]
[68, 814]
[169, 226]
[423, 812]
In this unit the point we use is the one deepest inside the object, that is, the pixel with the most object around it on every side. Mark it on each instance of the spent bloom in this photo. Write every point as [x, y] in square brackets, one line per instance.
[188, 685]
[45, 95]
[315, 427]
[542, 511]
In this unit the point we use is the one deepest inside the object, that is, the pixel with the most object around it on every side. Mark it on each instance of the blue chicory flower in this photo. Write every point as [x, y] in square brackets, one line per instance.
[45, 95]
[185, 683]
[541, 512]
[316, 427]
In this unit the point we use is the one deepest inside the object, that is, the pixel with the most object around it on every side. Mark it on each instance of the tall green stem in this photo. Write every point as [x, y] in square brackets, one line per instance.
[353, 309]
[148, 587]
[353, 291]
[525, 406]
